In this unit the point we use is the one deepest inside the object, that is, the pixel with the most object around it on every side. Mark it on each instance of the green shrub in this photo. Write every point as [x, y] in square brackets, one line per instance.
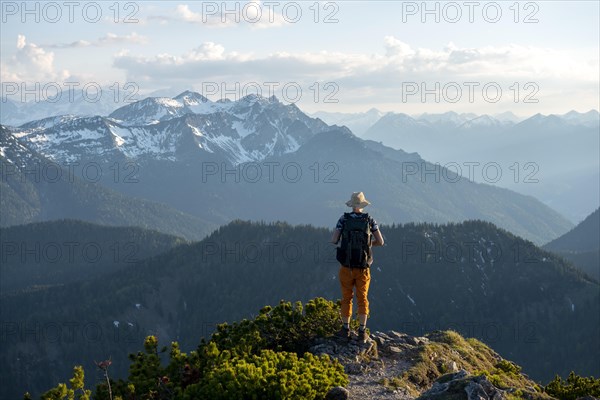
[285, 327]
[263, 358]
[508, 367]
[62, 391]
[269, 375]
[574, 387]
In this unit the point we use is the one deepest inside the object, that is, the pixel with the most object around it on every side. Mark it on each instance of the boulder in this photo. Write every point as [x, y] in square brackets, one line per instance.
[462, 385]
[337, 393]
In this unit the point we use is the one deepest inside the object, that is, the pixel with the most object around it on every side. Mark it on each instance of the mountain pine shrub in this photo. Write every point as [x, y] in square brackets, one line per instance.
[263, 358]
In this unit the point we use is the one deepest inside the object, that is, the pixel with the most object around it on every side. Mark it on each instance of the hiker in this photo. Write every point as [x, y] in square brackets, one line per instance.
[356, 230]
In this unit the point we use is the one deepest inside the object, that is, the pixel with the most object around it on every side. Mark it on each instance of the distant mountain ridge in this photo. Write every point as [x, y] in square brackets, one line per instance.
[59, 252]
[357, 122]
[249, 129]
[551, 157]
[15, 113]
[202, 155]
[584, 237]
[361, 122]
[35, 189]
[581, 245]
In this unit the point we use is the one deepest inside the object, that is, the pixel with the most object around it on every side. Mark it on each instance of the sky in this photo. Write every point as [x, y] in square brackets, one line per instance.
[482, 57]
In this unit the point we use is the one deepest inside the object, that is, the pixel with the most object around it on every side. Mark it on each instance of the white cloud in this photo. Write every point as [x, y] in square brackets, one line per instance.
[106, 40]
[378, 78]
[395, 47]
[400, 62]
[20, 41]
[253, 14]
[111, 38]
[185, 14]
[207, 51]
[30, 63]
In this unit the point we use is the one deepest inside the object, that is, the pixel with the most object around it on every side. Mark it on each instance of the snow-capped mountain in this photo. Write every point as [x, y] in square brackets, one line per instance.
[172, 139]
[149, 111]
[484, 121]
[541, 121]
[190, 98]
[249, 129]
[590, 118]
[447, 119]
[508, 117]
[401, 120]
[36, 189]
[12, 151]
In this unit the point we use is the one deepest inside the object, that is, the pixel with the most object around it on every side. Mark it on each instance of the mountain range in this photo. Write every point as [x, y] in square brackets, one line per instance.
[34, 188]
[358, 123]
[551, 157]
[214, 160]
[581, 245]
[530, 305]
[76, 101]
[524, 149]
[54, 253]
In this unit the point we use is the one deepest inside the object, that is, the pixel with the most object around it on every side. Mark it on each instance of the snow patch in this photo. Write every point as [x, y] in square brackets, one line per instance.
[208, 107]
[169, 102]
[87, 134]
[241, 129]
[196, 131]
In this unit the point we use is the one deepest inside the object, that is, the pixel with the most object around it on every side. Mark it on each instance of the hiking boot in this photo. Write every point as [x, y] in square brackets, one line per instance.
[362, 336]
[343, 333]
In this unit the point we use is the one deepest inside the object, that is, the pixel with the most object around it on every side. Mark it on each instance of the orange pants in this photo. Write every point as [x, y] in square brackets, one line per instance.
[350, 278]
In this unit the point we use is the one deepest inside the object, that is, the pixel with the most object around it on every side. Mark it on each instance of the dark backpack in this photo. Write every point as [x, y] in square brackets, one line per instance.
[355, 249]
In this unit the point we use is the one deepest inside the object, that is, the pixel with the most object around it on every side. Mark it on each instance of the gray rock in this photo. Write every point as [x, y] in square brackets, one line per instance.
[461, 374]
[423, 340]
[394, 350]
[379, 340]
[337, 393]
[437, 388]
[475, 391]
[354, 369]
[453, 384]
[412, 340]
[348, 351]
[416, 340]
[453, 367]
[397, 335]
[492, 391]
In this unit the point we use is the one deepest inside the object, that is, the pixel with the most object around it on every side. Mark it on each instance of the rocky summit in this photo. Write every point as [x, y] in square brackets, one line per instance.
[440, 365]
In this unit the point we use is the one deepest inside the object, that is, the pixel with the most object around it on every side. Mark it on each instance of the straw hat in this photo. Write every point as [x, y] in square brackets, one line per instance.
[357, 200]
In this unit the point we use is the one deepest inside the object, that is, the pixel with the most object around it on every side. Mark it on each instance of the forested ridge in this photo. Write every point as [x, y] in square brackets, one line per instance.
[530, 305]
